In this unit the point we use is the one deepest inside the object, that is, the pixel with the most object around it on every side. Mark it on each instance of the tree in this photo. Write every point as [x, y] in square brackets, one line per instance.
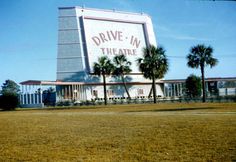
[153, 65]
[49, 96]
[193, 86]
[9, 95]
[10, 87]
[122, 68]
[103, 67]
[201, 56]
[8, 101]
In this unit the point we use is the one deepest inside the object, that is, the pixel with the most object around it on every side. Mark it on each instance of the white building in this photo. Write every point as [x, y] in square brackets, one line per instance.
[86, 34]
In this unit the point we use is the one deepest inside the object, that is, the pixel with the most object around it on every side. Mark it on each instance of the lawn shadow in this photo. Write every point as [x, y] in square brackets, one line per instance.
[176, 109]
[59, 108]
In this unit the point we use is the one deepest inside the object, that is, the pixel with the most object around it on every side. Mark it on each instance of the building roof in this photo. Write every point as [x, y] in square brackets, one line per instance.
[41, 82]
[54, 83]
[206, 79]
[103, 10]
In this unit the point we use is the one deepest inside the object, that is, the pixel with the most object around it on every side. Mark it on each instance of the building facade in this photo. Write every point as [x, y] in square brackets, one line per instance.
[86, 34]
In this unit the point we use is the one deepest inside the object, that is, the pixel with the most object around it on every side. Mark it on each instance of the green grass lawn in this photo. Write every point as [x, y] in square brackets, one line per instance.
[161, 132]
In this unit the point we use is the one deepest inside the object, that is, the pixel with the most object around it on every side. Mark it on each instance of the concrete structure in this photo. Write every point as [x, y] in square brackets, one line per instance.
[214, 87]
[32, 91]
[85, 35]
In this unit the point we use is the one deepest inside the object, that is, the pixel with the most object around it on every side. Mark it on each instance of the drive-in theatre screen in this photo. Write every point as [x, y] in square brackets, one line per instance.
[110, 38]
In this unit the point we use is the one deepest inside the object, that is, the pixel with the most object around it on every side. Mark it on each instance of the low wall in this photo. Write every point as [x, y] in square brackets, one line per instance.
[32, 105]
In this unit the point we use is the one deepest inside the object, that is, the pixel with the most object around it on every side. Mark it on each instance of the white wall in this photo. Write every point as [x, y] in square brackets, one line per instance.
[119, 91]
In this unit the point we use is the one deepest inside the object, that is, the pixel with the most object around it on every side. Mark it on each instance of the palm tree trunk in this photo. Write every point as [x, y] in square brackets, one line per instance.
[105, 89]
[203, 84]
[150, 93]
[124, 83]
[154, 90]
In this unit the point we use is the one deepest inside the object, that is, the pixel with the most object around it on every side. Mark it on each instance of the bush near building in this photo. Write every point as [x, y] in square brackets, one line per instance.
[9, 98]
[193, 86]
[8, 101]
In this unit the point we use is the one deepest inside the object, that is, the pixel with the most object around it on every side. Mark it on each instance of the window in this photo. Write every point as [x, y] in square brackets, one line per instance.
[140, 91]
[95, 93]
[110, 92]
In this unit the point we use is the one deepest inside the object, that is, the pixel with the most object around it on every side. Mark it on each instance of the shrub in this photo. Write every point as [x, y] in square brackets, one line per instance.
[64, 103]
[8, 102]
[193, 86]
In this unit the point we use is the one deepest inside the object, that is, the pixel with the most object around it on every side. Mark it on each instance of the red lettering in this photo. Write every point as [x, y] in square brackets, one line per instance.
[136, 42]
[129, 52]
[114, 35]
[109, 51]
[103, 38]
[120, 36]
[103, 50]
[96, 40]
[125, 52]
[120, 52]
[108, 35]
[131, 40]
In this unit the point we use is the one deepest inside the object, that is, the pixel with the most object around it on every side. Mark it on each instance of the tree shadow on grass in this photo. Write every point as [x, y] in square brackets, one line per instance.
[176, 109]
[84, 107]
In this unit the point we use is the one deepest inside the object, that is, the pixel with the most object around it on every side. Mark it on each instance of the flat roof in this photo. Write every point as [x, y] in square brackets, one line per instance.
[104, 10]
[42, 82]
[206, 79]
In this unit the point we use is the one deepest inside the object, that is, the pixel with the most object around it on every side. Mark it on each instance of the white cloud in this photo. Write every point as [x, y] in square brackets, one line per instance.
[185, 37]
[166, 32]
[162, 28]
[190, 24]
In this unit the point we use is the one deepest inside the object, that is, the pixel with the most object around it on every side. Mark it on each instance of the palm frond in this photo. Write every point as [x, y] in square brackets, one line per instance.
[103, 66]
[153, 63]
[122, 65]
[201, 55]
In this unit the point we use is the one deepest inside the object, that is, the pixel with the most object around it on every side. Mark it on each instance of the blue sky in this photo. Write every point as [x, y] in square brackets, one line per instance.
[28, 34]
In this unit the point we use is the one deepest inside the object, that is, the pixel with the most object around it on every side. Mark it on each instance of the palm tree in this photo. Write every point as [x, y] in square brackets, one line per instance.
[103, 67]
[153, 65]
[201, 56]
[122, 67]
